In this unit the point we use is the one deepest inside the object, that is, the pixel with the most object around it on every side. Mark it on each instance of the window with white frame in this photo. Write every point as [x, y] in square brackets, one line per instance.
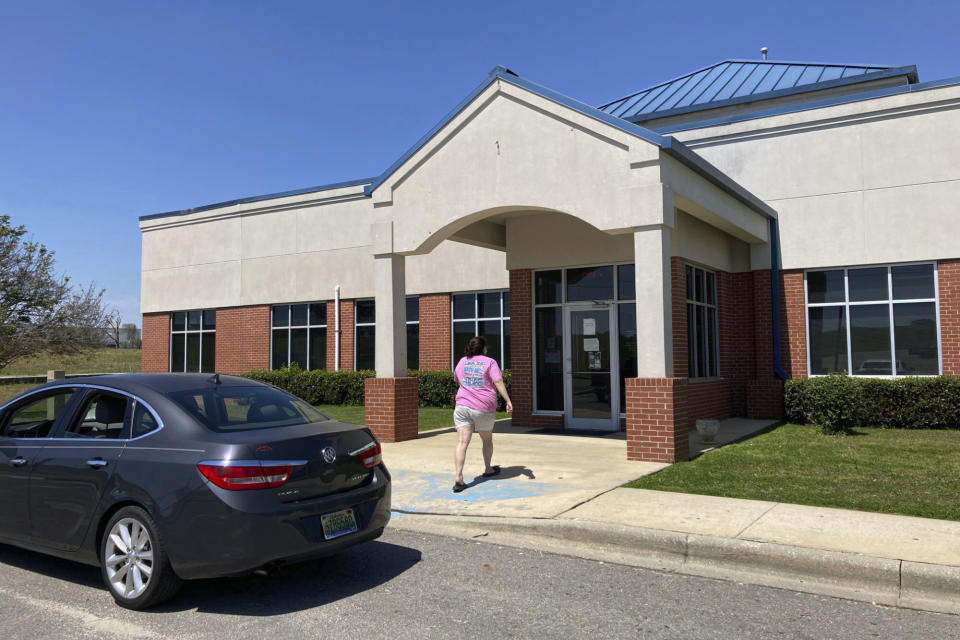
[193, 341]
[364, 335]
[482, 313]
[613, 284]
[413, 332]
[873, 321]
[701, 323]
[298, 334]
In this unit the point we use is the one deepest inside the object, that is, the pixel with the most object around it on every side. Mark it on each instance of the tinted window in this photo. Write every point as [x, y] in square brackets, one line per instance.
[626, 282]
[913, 281]
[825, 286]
[590, 283]
[223, 409]
[143, 422]
[547, 286]
[463, 306]
[867, 284]
[488, 305]
[366, 311]
[103, 416]
[34, 417]
[413, 309]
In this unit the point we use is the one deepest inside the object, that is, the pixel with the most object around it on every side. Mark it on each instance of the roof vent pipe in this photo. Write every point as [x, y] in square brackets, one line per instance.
[763, 52]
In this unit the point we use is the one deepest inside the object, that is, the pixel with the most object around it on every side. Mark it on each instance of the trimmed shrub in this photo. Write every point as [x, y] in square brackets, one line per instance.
[434, 388]
[900, 403]
[317, 387]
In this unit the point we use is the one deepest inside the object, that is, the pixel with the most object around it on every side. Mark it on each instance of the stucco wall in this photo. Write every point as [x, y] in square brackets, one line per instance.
[290, 256]
[868, 182]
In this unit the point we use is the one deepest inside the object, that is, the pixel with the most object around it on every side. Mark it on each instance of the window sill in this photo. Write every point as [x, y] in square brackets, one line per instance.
[705, 380]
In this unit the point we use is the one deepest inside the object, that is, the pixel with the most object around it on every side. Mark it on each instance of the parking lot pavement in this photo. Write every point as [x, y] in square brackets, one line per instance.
[423, 586]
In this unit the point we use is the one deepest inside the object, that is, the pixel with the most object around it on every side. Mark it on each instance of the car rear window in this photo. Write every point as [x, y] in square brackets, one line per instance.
[240, 408]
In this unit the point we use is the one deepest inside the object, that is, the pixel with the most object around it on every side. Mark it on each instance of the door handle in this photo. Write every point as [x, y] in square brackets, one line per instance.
[96, 463]
[19, 461]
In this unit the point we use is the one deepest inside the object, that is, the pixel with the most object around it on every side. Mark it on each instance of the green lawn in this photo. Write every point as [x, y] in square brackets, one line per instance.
[910, 472]
[7, 391]
[94, 361]
[430, 417]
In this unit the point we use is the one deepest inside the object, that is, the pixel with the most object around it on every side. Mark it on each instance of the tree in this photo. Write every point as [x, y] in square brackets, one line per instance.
[112, 325]
[38, 309]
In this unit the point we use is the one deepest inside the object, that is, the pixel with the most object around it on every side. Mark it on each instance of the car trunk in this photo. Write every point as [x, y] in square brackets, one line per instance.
[317, 477]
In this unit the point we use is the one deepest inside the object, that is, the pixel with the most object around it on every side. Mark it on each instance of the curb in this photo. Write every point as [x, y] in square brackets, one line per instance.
[884, 581]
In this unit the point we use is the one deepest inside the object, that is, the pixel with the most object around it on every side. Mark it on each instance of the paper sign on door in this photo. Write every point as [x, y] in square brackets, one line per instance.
[591, 344]
[590, 328]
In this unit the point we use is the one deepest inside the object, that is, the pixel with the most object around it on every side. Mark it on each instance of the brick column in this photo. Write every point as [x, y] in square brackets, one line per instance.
[435, 332]
[765, 391]
[390, 408]
[948, 281]
[243, 339]
[793, 324]
[521, 345]
[657, 429]
[155, 337]
[522, 353]
[346, 335]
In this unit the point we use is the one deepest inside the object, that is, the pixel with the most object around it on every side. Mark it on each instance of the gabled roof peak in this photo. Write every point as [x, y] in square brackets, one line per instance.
[737, 81]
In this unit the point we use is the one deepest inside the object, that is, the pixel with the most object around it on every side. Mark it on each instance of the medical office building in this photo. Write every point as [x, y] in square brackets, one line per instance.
[672, 255]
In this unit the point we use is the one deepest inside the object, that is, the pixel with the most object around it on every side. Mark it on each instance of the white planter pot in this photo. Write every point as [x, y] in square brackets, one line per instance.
[707, 429]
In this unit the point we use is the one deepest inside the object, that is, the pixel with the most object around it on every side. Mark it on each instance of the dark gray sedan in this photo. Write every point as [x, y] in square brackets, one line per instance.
[157, 478]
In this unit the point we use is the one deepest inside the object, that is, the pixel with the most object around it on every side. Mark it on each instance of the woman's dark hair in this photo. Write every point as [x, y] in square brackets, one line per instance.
[475, 347]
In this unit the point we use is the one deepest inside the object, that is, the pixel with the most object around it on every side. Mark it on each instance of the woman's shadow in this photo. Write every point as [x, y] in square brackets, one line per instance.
[505, 474]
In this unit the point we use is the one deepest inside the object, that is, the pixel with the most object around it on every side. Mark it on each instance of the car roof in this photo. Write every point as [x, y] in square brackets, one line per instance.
[162, 383]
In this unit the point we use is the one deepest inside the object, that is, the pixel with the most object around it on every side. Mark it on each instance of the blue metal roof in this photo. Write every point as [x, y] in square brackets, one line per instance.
[268, 196]
[738, 81]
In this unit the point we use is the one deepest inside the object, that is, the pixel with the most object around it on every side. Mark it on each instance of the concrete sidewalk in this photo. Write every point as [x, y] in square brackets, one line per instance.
[561, 493]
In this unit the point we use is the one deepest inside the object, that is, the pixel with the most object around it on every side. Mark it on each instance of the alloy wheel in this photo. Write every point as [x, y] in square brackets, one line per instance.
[128, 558]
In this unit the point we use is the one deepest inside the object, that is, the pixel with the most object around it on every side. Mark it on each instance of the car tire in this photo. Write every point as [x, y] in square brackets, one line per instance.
[133, 561]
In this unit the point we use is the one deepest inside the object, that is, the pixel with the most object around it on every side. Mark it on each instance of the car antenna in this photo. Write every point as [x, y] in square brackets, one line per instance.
[215, 378]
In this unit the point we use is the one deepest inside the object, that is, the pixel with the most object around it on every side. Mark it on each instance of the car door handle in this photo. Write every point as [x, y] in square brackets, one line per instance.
[19, 461]
[96, 463]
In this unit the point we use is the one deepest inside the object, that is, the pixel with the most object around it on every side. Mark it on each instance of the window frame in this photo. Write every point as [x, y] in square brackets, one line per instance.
[409, 322]
[562, 303]
[890, 302]
[70, 408]
[185, 333]
[476, 320]
[290, 327]
[364, 324]
[714, 358]
[83, 405]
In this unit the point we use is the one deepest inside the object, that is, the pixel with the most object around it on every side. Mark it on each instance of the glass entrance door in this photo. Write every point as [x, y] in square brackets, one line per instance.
[591, 397]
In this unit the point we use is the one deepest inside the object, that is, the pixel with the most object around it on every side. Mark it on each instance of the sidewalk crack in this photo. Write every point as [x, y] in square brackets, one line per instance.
[580, 504]
[755, 520]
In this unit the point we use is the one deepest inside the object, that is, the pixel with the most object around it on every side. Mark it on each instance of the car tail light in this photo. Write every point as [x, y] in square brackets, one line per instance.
[245, 476]
[370, 455]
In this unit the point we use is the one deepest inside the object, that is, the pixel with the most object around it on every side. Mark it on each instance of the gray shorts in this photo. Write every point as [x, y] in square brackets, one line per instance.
[467, 417]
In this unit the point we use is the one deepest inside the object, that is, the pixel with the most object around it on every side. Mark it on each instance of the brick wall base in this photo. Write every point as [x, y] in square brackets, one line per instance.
[657, 428]
[390, 408]
[765, 398]
[155, 349]
[713, 399]
[243, 339]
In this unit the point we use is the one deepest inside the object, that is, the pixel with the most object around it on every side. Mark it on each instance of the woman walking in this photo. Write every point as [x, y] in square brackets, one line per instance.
[480, 379]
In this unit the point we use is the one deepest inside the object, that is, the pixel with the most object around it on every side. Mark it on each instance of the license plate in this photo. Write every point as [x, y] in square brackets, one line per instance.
[339, 523]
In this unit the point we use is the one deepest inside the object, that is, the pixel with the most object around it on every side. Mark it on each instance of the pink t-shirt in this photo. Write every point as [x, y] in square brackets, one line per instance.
[476, 376]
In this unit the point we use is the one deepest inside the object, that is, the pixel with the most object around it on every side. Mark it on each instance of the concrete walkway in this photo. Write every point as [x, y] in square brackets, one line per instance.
[561, 493]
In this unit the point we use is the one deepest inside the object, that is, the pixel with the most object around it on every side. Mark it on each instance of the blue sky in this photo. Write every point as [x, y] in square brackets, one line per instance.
[113, 110]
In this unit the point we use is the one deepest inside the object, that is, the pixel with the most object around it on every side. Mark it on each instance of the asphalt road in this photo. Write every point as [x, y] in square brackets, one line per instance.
[414, 586]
